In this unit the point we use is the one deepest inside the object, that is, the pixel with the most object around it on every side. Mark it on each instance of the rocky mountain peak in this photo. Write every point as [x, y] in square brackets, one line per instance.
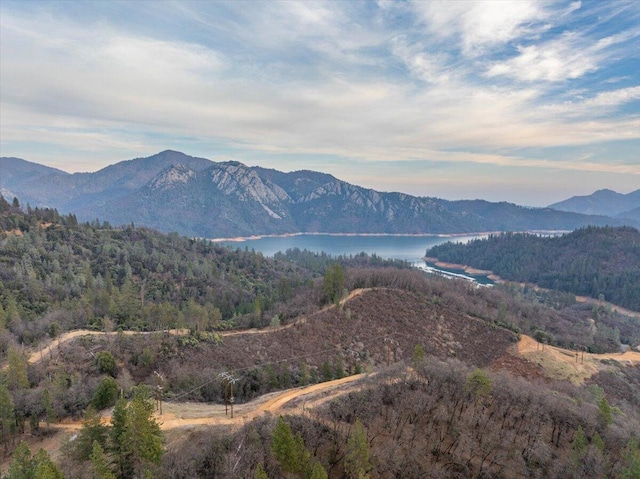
[175, 175]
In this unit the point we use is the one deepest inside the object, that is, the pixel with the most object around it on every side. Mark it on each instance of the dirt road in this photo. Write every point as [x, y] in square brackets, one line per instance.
[36, 356]
[570, 365]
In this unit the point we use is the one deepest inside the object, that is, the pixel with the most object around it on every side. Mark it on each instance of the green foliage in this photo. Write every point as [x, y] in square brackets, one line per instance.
[260, 473]
[23, 466]
[7, 419]
[478, 386]
[17, 371]
[357, 462]
[44, 467]
[47, 405]
[106, 394]
[92, 431]
[332, 284]
[288, 449]
[598, 442]
[579, 442]
[591, 261]
[631, 457]
[605, 412]
[106, 363]
[316, 471]
[99, 463]
[327, 374]
[418, 355]
[136, 438]
[131, 277]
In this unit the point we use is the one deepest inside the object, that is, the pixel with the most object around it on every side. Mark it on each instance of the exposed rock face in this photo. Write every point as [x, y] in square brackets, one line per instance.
[172, 191]
[172, 177]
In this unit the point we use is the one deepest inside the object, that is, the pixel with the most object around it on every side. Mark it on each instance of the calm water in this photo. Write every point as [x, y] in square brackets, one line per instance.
[408, 248]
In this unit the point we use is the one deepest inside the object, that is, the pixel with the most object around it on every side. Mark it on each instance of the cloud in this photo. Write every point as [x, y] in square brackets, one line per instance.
[303, 78]
[570, 56]
[477, 25]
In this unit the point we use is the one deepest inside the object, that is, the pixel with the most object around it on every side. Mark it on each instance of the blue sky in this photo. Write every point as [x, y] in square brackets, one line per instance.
[525, 101]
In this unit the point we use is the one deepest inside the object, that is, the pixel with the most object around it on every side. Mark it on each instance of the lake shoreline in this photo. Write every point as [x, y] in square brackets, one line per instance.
[240, 239]
[463, 267]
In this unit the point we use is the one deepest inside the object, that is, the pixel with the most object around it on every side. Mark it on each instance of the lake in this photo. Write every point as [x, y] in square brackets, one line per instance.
[409, 248]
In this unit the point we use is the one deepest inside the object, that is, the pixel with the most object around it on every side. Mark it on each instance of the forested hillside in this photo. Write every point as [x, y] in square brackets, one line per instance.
[593, 261]
[58, 274]
[322, 318]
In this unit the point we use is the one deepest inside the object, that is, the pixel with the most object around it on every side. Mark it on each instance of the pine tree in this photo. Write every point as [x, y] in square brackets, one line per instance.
[260, 473]
[7, 419]
[631, 457]
[357, 458]
[47, 405]
[17, 373]
[21, 466]
[120, 440]
[605, 412]
[333, 284]
[289, 450]
[136, 438]
[92, 431]
[99, 463]
[44, 467]
[146, 436]
[316, 471]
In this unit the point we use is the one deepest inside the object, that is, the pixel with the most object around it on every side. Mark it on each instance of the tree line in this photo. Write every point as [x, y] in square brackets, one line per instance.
[600, 262]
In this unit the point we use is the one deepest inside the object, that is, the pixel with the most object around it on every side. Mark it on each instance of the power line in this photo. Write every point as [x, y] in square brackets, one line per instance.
[238, 370]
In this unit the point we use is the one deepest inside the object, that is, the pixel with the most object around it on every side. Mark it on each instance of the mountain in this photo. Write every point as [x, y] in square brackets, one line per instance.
[88, 191]
[602, 202]
[633, 214]
[172, 191]
[15, 172]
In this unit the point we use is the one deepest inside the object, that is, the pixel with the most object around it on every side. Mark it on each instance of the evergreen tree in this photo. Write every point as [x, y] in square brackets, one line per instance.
[21, 466]
[146, 436]
[44, 467]
[47, 405]
[106, 393]
[316, 471]
[288, 449]
[99, 463]
[7, 419]
[120, 441]
[333, 284]
[17, 373]
[136, 438]
[605, 412]
[260, 473]
[357, 458]
[92, 431]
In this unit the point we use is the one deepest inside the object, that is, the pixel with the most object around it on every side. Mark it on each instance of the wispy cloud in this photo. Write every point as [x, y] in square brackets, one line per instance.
[459, 82]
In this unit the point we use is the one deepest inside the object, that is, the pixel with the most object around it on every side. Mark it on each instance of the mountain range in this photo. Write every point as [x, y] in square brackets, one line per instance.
[603, 202]
[171, 191]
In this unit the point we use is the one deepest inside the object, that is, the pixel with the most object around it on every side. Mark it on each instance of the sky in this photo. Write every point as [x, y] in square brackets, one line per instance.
[524, 101]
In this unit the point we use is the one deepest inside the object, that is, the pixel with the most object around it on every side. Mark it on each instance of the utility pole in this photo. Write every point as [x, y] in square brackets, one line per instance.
[228, 382]
[160, 380]
[391, 342]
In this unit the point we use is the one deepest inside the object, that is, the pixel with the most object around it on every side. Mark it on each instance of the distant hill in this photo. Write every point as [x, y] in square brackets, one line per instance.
[591, 261]
[633, 214]
[602, 202]
[172, 191]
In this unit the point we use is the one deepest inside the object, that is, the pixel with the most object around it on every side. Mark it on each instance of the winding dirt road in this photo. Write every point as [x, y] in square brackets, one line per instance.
[37, 356]
[559, 363]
